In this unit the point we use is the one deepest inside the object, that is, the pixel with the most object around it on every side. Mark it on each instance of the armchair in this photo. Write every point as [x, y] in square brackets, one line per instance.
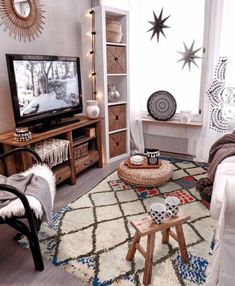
[19, 205]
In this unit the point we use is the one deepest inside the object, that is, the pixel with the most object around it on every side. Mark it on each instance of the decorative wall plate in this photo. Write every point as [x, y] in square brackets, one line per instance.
[161, 105]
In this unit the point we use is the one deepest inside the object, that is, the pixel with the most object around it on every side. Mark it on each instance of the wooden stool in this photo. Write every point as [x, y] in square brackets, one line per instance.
[146, 226]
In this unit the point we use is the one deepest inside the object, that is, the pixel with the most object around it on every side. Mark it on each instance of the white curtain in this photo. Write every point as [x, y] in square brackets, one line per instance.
[219, 79]
[135, 58]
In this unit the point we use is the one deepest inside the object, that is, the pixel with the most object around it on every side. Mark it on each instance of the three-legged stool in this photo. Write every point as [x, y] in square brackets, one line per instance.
[146, 226]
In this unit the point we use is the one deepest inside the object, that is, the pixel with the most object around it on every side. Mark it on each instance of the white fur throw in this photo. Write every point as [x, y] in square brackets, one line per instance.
[16, 208]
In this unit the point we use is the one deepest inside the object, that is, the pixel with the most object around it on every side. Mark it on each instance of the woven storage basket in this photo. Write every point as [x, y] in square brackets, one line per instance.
[113, 31]
[145, 177]
[113, 37]
[117, 144]
[117, 117]
[116, 59]
[80, 150]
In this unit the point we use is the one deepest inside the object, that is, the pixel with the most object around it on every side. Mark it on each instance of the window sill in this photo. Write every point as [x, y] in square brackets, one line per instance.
[175, 122]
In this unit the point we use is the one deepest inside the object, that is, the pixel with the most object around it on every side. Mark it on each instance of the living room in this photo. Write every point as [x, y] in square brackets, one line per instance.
[164, 85]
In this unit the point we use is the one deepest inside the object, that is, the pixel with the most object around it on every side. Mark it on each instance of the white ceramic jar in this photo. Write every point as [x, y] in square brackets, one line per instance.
[92, 109]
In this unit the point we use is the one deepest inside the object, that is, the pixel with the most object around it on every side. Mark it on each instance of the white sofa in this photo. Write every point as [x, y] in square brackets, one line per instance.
[221, 271]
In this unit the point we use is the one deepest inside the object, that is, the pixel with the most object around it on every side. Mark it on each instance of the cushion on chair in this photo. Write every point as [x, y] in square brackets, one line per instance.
[16, 208]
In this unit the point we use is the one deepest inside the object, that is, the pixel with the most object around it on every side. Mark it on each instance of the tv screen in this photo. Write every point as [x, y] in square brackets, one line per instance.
[44, 87]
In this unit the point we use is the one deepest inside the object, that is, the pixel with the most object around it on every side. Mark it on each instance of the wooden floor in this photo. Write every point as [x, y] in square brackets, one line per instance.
[16, 264]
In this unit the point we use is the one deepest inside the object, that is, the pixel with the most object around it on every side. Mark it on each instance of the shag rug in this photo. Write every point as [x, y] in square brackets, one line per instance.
[90, 237]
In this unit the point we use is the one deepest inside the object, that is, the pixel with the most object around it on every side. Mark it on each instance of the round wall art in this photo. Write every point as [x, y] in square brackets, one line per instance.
[161, 105]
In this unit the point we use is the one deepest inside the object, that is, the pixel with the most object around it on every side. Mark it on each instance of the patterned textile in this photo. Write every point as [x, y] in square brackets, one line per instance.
[52, 151]
[221, 98]
[90, 237]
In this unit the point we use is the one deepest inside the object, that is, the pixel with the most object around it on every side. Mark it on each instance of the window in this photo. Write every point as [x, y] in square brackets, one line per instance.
[154, 65]
[159, 60]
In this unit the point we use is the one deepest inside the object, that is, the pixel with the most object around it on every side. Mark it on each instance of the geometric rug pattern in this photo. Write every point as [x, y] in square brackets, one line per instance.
[90, 236]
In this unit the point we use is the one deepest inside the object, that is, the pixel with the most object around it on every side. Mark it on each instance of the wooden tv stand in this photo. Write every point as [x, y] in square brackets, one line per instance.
[69, 132]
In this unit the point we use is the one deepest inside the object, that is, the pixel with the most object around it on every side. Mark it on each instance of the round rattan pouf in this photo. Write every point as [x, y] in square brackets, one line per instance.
[145, 177]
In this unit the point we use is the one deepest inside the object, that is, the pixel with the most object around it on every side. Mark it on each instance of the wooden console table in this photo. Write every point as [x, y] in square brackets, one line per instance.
[68, 132]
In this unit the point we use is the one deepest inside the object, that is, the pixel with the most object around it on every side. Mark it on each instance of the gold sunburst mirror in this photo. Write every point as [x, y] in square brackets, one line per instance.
[23, 18]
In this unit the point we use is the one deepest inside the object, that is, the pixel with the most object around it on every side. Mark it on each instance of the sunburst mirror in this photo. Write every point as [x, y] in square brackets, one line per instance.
[23, 18]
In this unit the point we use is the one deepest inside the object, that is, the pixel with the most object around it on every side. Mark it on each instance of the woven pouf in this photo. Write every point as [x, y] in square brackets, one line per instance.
[145, 177]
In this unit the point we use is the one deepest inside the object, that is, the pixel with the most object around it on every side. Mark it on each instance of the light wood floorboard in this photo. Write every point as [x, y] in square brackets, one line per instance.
[16, 264]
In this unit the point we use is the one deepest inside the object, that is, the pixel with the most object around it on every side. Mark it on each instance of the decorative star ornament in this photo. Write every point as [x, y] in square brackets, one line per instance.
[158, 25]
[189, 56]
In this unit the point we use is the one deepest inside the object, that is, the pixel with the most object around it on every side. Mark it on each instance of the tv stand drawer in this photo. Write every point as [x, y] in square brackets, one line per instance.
[91, 158]
[62, 172]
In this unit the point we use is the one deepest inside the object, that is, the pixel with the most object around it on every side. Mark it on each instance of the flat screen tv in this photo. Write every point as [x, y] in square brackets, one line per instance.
[45, 90]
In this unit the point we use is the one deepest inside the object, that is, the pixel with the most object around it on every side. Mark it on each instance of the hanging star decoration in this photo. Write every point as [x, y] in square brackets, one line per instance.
[189, 56]
[158, 25]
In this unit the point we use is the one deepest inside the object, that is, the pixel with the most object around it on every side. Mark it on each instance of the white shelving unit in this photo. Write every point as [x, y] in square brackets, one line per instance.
[116, 114]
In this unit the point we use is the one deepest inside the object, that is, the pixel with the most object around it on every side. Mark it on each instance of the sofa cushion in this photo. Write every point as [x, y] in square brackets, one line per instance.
[224, 172]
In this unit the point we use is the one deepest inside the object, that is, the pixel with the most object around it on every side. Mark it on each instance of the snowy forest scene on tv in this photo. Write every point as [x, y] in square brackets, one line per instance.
[46, 85]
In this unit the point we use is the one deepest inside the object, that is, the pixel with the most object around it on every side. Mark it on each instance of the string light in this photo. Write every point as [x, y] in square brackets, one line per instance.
[92, 54]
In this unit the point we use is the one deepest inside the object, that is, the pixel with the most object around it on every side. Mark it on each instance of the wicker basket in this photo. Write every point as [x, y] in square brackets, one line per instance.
[113, 37]
[113, 31]
[80, 150]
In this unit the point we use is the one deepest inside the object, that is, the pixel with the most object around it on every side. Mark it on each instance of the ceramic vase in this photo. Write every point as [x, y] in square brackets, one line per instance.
[113, 94]
[92, 110]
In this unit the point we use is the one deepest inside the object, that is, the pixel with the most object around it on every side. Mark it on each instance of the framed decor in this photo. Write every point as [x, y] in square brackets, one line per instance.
[161, 105]
[23, 18]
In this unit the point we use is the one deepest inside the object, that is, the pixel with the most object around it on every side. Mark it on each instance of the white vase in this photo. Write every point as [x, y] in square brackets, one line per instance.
[92, 109]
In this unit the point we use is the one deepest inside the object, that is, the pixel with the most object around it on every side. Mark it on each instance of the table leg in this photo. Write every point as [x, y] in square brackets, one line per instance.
[165, 235]
[149, 259]
[132, 249]
[182, 243]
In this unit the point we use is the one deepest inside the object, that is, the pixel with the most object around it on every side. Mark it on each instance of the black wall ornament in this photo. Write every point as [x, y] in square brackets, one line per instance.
[189, 56]
[158, 25]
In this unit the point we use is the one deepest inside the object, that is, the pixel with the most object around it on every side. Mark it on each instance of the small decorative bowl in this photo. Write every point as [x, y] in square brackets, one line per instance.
[137, 160]
[22, 134]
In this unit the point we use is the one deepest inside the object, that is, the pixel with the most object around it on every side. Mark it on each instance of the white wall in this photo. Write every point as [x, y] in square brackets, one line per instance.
[121, 4]
[61, 36]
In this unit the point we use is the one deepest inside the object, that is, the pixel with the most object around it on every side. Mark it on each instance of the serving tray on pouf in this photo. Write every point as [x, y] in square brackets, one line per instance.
[145, 165]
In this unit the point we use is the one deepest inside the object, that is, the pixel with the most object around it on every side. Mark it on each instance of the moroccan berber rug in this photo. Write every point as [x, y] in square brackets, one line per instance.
[90, 237]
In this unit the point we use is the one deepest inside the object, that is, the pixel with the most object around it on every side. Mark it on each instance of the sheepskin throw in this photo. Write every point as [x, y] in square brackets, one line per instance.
[38, 184]
[52, 151]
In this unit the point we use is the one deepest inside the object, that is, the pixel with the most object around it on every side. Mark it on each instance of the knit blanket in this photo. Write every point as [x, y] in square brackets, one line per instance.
[52, 151]
[220, 150]
[30, 185]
